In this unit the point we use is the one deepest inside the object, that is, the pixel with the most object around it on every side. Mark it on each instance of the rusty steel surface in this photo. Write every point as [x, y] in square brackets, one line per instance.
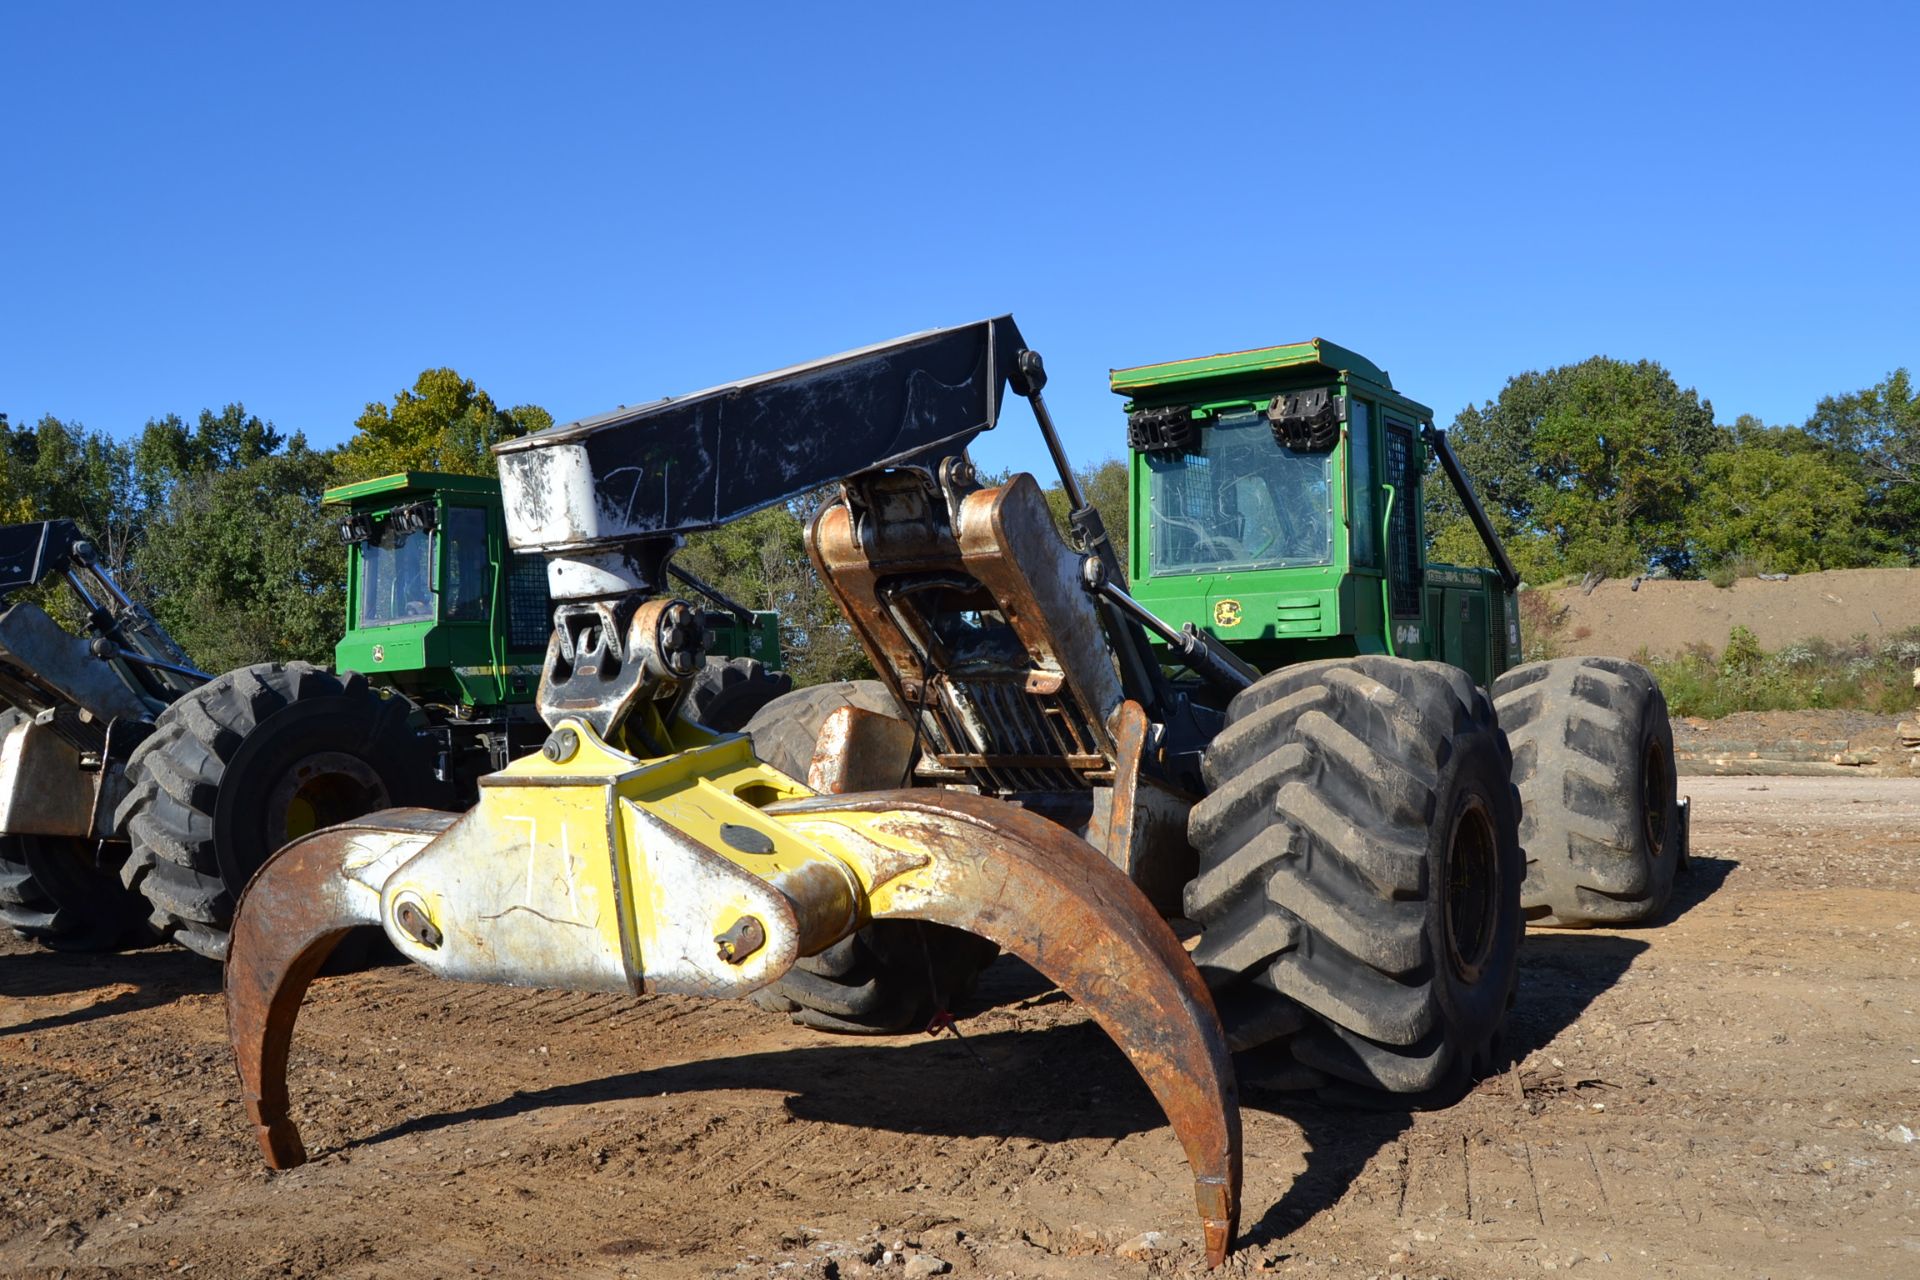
[1047, 897]
[860, 750]
[291, 915]
[1020, 703]
[1140, 822]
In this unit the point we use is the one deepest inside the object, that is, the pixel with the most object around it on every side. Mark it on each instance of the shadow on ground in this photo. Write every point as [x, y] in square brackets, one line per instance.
[1693, 886]
[138, 979]
[1560, 975]
[1068, 1081]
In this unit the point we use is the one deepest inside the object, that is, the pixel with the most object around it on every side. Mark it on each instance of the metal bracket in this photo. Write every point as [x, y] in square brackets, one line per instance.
[606, 657]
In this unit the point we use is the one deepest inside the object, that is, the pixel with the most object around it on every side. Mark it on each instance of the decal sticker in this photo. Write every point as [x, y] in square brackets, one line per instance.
[1226, 613]
[379, 653]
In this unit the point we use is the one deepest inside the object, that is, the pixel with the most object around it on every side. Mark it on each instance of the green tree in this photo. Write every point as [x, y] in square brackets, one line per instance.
[1495, 452]
[14, 507]
[444, 423]
[1876, 433]
[243, 564]
[1787, 509]
[58, 469]
[1589, 467]
[168, 452]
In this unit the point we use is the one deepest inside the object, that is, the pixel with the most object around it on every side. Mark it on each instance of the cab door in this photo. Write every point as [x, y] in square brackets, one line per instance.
[1400, 468]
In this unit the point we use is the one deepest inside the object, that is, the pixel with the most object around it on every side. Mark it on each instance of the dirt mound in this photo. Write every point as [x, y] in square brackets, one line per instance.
[1665, 617]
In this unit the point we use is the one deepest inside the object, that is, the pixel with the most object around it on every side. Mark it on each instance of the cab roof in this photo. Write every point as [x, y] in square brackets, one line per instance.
[1311, 354]
[1291, 363]
[403, 482]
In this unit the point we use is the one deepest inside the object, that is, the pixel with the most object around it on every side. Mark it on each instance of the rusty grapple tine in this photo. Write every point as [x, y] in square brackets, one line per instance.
[1049, 898]
[299, 904]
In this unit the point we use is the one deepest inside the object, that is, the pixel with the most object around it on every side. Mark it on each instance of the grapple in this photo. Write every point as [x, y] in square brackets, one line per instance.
[706, 872]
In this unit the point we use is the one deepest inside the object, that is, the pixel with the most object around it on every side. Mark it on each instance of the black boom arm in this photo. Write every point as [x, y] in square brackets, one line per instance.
[1437, 441]
[682, 465]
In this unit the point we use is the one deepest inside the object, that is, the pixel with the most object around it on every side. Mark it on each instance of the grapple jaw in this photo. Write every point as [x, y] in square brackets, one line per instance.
[310, 895]
[709, 873]
[1046, 896]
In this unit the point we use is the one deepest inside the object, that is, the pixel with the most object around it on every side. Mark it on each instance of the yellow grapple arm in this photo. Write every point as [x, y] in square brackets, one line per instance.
[706, 872]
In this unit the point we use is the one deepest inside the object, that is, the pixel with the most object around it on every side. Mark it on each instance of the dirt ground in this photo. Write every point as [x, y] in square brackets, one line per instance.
[1665, 617]
[1733, 1093]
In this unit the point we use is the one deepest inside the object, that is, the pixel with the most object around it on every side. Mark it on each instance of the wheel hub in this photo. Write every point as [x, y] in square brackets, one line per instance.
[1653, 797]
[1472, 889]
[320, 790]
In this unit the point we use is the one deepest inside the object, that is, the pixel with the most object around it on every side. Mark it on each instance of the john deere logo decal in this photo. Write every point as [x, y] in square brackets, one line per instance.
[379, 653]
[1226, 613]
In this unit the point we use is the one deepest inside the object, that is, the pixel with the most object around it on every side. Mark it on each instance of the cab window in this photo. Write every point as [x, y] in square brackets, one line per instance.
[1365, 530]
[396, 576]
[469, 580]
[1240, 500]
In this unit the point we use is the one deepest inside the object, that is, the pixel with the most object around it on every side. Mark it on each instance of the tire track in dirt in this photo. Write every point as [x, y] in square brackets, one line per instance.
[121, 1166]
[1752, 1054]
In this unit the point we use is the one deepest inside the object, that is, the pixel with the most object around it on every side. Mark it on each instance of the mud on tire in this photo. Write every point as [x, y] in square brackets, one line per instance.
[893, 975]
[1593, 761]
[727, 692]
[1359, 886]
[245, 763]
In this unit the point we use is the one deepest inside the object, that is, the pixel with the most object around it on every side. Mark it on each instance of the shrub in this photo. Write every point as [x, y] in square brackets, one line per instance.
[1902, 648]
[1731, 570]
[1852, 675]
[1541, 621]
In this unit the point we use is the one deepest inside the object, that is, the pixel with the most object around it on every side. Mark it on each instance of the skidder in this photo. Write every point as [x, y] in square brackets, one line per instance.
[1273, 721]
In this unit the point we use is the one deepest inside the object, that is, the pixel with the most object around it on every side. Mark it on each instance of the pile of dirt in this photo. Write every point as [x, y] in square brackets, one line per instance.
[1664, 618]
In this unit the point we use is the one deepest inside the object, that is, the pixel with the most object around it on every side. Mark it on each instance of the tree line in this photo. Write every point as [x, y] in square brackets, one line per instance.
[1608, 467]
[217, 525]
[1602, 467]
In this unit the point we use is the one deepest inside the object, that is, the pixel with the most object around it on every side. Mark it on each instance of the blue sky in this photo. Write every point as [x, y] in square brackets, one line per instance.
[301, 207]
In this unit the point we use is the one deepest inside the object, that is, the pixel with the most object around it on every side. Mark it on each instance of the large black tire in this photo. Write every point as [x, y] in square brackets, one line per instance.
[893, 975]
[1600, 816]
[53, 892]
[1359, 886]
[249, 761]
[727, 692]
[785, 730]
